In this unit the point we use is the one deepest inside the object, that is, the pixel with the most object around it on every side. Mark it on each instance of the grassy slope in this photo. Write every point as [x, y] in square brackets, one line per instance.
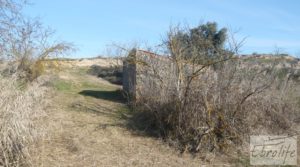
[86, 129]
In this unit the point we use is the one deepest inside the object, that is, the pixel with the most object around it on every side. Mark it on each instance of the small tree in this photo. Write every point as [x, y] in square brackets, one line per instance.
[198, 48]
[25, 42]
[202, 44]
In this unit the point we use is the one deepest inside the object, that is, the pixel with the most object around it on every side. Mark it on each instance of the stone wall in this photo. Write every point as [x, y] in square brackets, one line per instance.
[129, 74]
[145, 73]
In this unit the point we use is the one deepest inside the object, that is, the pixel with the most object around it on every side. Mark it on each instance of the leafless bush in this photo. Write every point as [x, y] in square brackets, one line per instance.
[20, 109]
[25, 41]
[215, 104]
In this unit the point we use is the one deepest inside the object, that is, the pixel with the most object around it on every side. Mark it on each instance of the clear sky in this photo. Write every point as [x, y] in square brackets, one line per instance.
[93, 24]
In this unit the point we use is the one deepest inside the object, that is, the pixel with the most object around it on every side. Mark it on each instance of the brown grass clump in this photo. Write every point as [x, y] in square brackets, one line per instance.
[20, 108]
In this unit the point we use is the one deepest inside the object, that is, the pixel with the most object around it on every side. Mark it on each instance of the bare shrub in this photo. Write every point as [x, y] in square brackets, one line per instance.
[20, 108]
[211, 102]
[25, 42]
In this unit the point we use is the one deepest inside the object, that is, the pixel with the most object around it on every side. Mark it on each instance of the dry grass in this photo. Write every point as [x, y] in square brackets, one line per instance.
[83, 129]
[78, 63]
[20, 108]
[87, 130]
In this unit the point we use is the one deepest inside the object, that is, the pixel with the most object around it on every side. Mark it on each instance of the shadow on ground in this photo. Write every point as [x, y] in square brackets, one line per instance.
[115, 96]
[142, 123]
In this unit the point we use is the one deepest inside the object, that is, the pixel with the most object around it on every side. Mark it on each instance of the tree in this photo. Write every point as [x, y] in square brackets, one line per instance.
[202, 44]
[24, 41]
[196, 49]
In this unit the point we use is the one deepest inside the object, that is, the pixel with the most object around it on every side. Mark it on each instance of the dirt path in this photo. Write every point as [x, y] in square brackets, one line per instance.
[86, 129]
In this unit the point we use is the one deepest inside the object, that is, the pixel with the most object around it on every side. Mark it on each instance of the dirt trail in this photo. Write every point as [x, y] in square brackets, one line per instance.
[86, 129]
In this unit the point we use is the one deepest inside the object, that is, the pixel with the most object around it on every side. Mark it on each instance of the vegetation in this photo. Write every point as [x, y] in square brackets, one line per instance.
[19, 115]
[24, 47]
[24, 42]
[213, 100]
[202, 44]
[200, 98]
[111, 74]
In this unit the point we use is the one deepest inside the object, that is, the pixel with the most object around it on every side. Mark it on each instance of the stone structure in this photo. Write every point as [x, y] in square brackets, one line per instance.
[143, 70]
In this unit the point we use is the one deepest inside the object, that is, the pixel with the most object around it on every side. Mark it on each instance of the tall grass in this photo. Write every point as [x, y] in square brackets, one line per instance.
[20, 108]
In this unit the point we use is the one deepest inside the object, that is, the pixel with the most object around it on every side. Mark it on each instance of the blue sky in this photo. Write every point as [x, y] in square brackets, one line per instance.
[93, 24]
